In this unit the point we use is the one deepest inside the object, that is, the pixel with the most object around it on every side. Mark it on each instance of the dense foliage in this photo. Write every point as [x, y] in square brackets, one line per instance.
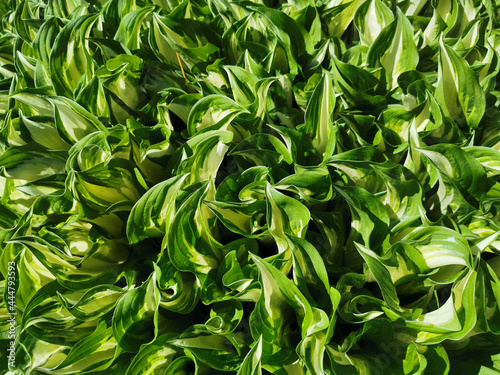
[237, 187]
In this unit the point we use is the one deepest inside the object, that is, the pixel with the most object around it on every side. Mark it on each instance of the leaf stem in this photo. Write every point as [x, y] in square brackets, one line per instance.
[180, 64]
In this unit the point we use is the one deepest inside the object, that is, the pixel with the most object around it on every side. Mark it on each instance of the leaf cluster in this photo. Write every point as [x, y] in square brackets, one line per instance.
[250, 187]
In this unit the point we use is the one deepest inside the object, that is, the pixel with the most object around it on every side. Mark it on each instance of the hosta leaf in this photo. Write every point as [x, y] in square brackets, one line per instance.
[381, 275]
[135, 318]
[93, 353]
[101, 265]
[70, 57]
[356, 84]
[487, 287]
[311, 184]
[36, 354]
[242, 218]
[105, 184]
[447, 10]
[240, 186]
[286, 217]
[33, 102]
[394, 49]
[46, 319]
[339, 15]
[73, 121]
[28, 163]
[179, 291]
[312, 348]
[93, 98]
[293, 39]
[261, 149]
[216, 351]
[194, 41]
[440, 247]
[455, 163]
[422, 359]
[121, 76]
[94, 303]
[23, 12]
[213, 112]
[318, 119]
[243, 84]
[458, 91]
[44, 39]
[155, 356]
[456, 317]
[371, 17]
[191, 246]
[404, 200]
[310, 272]
[225, 317]
[130, 27]
[202, 155]
[279, 303]
[251, 365]
[153, 210]
[489, 158]
[370, 220]
[44, 132]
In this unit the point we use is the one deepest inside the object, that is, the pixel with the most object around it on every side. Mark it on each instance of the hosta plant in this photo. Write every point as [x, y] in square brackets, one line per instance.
[249, 187]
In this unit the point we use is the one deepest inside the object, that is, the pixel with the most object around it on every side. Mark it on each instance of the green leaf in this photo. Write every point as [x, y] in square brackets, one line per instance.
[151, 213]
[370, 18]
[455, 319]
[28, 163]
[251, 365]
[280, 304]
[312, 185]
[44, 132]
[318, 119]
[394, 49]
[286, 217]
[458, 165]
[121, 76]
[153, 357]
[219, 352]
[241, 218]
[339, 16]
[370, 220]
[130, 27]
[93, 353]
[73, 121]
[458, 90]
[135, 318]
[202, 155]
[213, 112]
[190, 243]
[381, 275]
[94, 303]
[293, 39]
[70, 56]
[194, 41]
